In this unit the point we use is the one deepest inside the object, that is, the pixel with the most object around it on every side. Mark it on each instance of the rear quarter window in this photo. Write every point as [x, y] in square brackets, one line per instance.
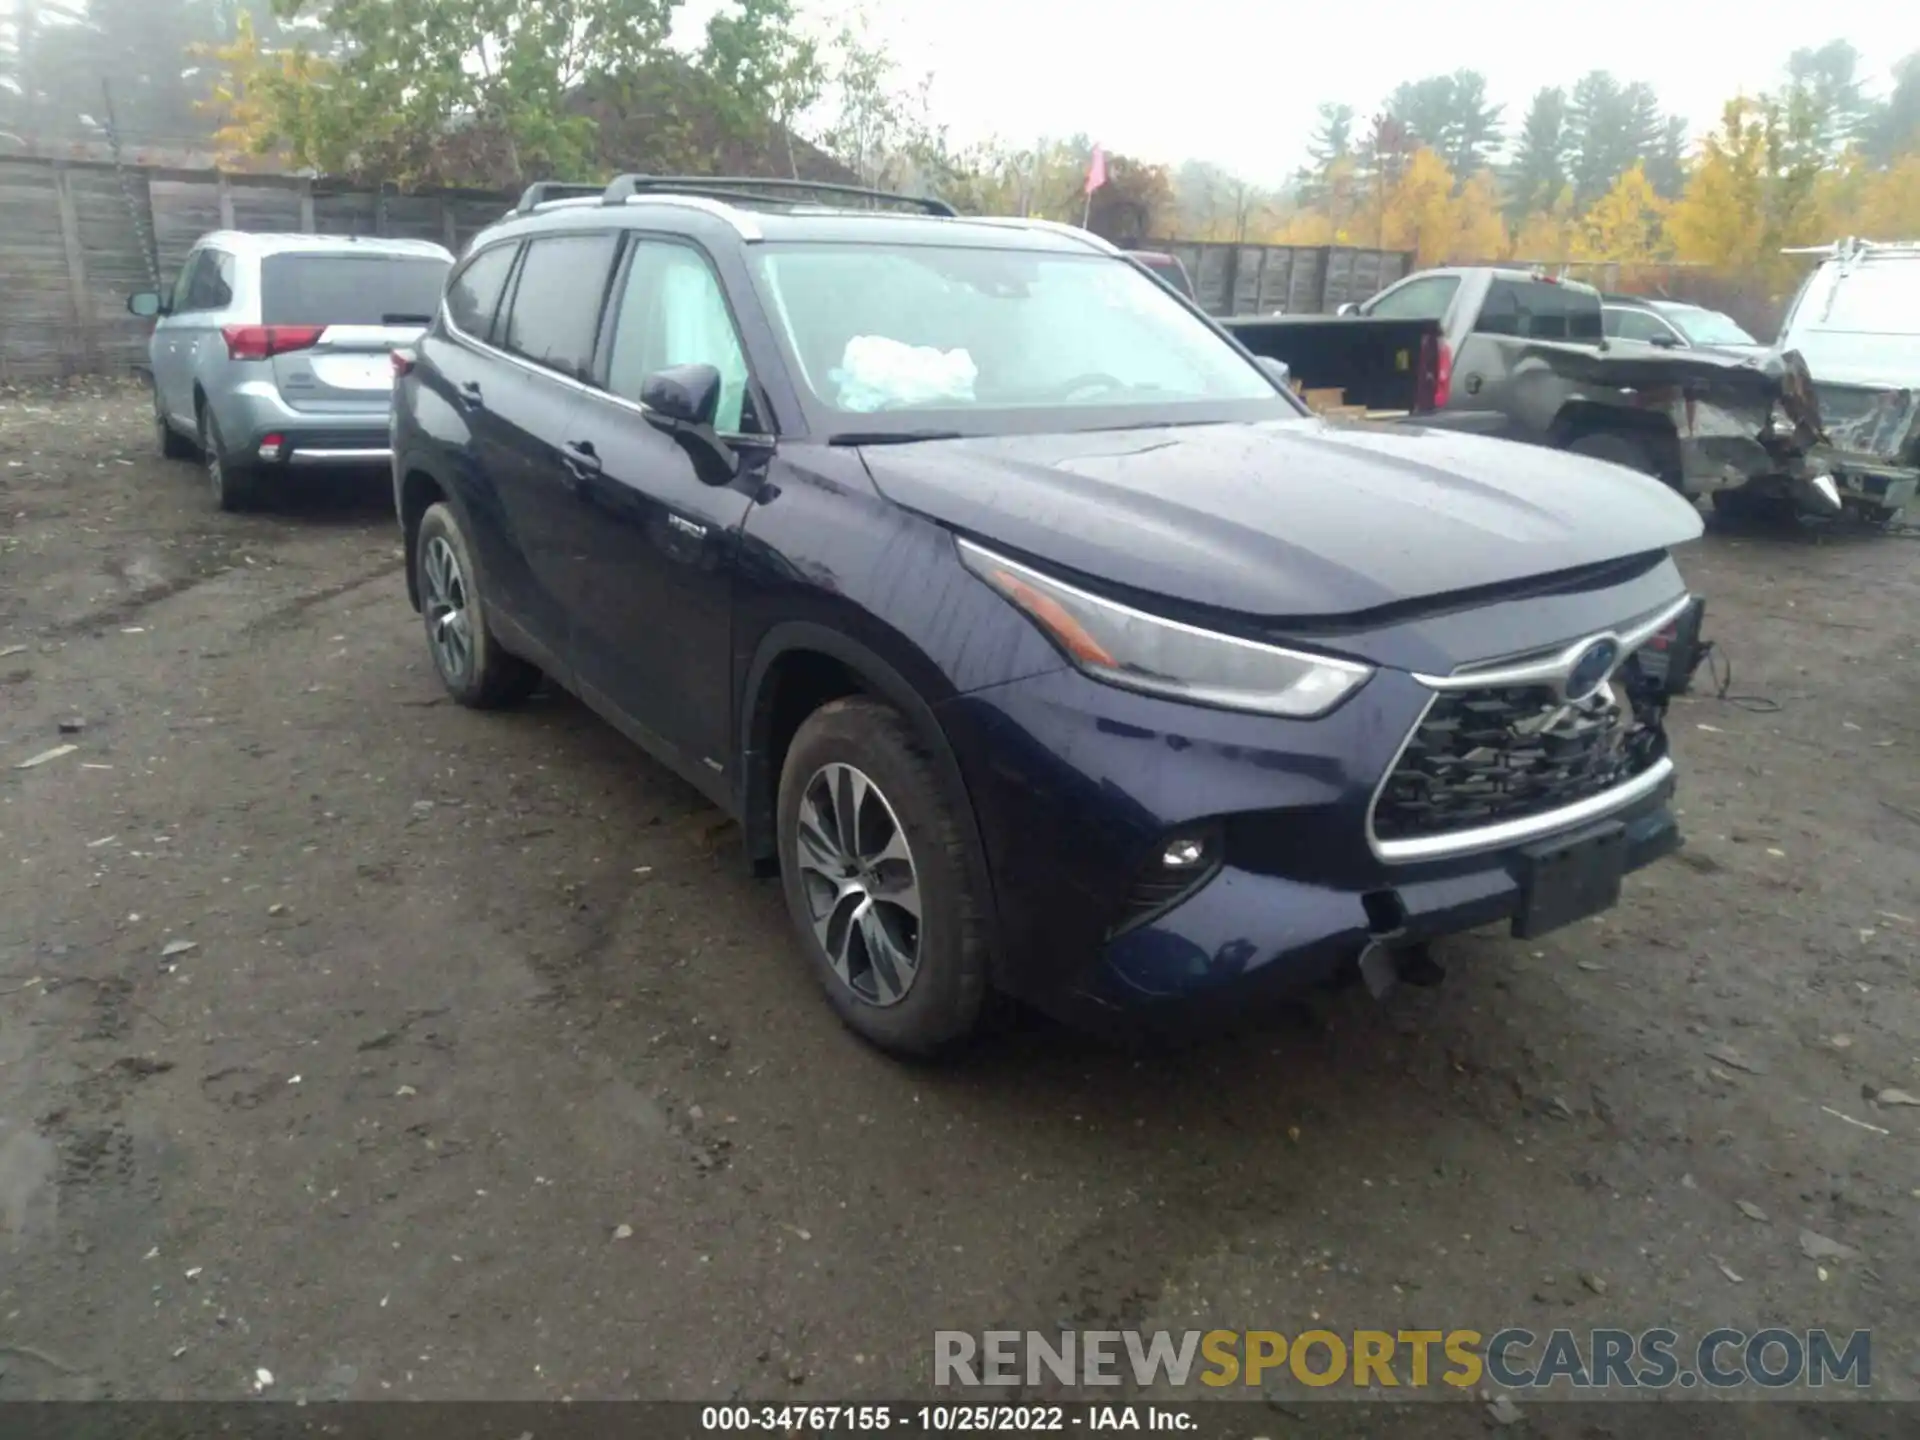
[474, 294]
[350, 289]
[1540, 310]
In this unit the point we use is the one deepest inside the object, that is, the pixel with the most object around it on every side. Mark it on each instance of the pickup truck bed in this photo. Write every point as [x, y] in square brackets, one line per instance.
[1382, 369]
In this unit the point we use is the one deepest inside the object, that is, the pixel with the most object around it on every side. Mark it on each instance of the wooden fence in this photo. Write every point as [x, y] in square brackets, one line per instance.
[77, 238]
[1231, 279]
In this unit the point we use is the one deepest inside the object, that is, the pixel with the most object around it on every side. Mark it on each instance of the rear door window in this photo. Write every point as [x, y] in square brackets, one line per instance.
[474, 294]
[350, 289]
[555, 314]
[1541, 310]
[1423, 299]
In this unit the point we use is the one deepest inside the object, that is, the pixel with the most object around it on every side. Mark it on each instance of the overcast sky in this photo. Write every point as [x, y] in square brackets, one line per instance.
[1237, 81]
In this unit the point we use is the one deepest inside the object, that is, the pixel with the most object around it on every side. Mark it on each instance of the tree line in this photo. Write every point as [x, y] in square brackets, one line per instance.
[493, 93]
[1596, 171]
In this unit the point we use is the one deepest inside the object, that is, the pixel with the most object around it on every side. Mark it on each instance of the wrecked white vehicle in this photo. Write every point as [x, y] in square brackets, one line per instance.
[1856, 324]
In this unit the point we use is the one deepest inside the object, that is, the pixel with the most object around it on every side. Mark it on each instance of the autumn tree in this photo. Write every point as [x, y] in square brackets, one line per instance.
[1722, 219]
[1479, 227]
[1547, 233]
[1888, 204]
[1625, 224]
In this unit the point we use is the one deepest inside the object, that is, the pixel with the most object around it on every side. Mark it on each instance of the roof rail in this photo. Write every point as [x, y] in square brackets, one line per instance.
[737, 188]
[541, 191]
[1052, 227]
[1853, 247]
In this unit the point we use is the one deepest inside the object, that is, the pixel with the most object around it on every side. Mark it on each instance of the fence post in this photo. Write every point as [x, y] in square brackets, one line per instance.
[449, 225]
[226, 200]
[1232, 289]
[306, 204]
[76, 269]
[380, 212]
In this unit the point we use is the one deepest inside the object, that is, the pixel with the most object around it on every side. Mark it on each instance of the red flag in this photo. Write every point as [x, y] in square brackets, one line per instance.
[1097, 170]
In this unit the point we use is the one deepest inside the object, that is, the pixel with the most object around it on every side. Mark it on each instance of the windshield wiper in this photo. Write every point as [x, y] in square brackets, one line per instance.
[403, 319]
[891, 437]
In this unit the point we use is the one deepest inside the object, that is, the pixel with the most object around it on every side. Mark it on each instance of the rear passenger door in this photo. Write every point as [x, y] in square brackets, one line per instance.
[657, 544]
[519, 409]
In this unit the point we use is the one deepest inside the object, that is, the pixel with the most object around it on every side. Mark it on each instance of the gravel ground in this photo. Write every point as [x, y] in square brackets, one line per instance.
[400, 1051]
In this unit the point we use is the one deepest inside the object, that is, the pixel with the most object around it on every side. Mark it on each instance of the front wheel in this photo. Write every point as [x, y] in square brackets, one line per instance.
[472, 665]
[876, 879]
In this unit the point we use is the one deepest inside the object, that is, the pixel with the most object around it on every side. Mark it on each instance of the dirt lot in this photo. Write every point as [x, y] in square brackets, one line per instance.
[487, 1074]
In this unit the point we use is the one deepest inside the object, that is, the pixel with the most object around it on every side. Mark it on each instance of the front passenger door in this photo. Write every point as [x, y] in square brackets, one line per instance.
[656, 543]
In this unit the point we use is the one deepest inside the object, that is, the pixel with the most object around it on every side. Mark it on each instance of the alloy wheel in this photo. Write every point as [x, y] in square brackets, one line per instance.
[449, 626]
[862, 891]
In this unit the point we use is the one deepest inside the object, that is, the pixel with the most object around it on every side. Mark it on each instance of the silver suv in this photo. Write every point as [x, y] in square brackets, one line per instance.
[274, 351]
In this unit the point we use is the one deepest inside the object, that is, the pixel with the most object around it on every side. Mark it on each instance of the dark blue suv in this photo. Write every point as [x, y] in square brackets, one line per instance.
[1038, 638]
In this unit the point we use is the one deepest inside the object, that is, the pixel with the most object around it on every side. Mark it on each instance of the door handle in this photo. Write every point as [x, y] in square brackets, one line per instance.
[467, 392]
[581, 461]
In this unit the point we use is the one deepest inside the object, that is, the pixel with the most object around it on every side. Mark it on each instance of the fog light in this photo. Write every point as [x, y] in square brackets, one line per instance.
[271, 446]
[1183, 853]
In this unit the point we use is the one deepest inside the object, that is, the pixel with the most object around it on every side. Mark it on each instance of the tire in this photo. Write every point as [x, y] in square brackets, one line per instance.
[171, 444]
[924, 1009]
[1627, 450]
[470, 661]
[233, 483]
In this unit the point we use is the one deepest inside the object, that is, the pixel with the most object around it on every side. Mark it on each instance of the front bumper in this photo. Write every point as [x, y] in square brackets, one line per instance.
[1245, 938]
[1075, 783]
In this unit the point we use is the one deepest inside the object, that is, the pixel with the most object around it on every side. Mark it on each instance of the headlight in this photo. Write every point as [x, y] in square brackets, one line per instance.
[1129, 648]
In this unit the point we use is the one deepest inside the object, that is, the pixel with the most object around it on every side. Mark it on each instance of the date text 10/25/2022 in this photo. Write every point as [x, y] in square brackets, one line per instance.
[929, 1419]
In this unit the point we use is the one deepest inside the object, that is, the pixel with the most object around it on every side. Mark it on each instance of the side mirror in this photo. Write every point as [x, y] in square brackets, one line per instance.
[146, 304]
[683, 394]
[1349, 308]
[1276, 371]
[682, 401]
[1665, 342]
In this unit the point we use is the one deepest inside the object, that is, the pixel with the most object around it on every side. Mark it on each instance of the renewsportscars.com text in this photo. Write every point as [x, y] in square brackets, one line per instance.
[1513, 1358]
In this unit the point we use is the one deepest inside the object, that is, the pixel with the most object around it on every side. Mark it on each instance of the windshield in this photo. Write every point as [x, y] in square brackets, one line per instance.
[1708, 327]
[994, 339]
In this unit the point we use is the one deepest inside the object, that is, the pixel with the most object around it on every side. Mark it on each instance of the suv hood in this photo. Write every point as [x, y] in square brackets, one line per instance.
[1287, 519]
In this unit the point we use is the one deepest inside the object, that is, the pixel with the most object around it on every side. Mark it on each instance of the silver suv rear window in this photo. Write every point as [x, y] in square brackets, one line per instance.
[350, 289]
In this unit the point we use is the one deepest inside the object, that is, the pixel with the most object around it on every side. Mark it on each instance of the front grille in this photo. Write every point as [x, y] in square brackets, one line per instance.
[1480, 757]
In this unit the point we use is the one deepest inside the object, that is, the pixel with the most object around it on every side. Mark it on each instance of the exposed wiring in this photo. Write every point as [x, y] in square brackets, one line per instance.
[1721, 669]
